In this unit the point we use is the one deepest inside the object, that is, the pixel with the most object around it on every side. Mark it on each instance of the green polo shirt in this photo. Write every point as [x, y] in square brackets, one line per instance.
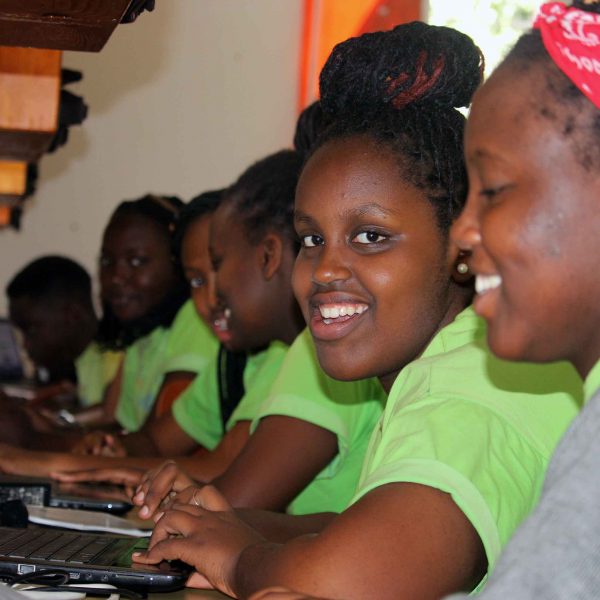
[592, 382]
[198, 411]
[349, 409]
[476, 427]
[188, 345]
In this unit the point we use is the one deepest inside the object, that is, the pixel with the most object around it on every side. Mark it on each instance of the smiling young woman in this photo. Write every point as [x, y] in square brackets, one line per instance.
[457, 459]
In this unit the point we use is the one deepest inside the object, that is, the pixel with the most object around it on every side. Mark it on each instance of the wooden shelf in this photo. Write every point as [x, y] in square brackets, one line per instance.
[83, 25]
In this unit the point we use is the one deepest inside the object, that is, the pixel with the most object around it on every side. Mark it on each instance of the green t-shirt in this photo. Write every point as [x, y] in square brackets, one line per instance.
[198, 411]
[479, 428]
[95, 369]
[349, 409]
[592, 382]
[188, 345]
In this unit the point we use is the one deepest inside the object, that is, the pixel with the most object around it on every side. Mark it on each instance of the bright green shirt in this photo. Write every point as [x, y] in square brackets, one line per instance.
[479, 428]
[188, 345]
[592, 382]
[95, 369]
[198, 411]
[349, 409]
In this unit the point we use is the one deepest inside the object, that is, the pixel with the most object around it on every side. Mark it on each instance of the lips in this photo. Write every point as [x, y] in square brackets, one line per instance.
[220, 326]
[334, 316]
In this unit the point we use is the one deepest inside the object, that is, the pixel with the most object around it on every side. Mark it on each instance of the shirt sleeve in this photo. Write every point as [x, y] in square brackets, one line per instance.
[465, 450]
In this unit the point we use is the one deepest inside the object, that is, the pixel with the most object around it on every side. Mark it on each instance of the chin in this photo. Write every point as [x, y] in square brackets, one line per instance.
[340, 368]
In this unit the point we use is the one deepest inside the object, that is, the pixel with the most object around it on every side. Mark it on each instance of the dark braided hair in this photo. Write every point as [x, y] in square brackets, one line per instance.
[201, 205]
[114, 334]
[401, 88]
[561, 102]
[263, 196]
[311, 123]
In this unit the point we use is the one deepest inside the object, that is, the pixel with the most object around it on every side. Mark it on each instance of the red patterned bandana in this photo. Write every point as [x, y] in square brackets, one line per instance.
[572, 38]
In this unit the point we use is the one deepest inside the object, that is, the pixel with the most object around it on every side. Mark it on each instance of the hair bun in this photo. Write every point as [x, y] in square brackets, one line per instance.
[410, 64]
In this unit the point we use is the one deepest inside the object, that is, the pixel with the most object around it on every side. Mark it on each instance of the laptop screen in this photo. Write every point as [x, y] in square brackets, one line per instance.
[11, 367]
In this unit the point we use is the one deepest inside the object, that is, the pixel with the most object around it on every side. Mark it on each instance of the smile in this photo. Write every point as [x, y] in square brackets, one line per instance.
[332, 312]
[486, 283]
[221, 326]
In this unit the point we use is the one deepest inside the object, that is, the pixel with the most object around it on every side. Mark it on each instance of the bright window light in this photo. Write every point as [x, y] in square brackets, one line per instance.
[495, 25]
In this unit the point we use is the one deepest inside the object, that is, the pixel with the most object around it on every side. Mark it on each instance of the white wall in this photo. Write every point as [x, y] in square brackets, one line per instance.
[180, 101]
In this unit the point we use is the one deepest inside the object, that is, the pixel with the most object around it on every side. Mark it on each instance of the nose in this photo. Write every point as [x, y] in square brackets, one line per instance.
[465, 232]
[331, 266]
[211, 292]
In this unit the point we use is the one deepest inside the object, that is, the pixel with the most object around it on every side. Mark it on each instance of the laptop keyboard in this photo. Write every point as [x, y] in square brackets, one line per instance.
[61, 546]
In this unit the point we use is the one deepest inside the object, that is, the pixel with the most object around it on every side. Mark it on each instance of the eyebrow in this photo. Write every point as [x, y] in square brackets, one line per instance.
[368, 209]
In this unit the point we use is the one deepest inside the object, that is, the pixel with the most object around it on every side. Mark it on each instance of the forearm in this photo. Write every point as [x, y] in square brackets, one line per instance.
[281, 527]
[263, 564]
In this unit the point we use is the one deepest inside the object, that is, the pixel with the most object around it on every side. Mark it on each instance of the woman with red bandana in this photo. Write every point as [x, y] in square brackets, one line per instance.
[532, 222]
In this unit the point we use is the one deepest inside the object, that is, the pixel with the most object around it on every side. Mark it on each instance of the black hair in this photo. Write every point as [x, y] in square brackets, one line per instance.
[201, 205]
[561, 102]
[311, 123]
[263, 196]
[401, 88]
[52, 277]
[163, 211]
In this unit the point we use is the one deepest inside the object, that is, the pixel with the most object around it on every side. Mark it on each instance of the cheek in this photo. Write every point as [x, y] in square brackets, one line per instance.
[301, 278]
[200, 300]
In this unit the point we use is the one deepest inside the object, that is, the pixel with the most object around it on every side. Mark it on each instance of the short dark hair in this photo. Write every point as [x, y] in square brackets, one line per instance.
[50, 278]
[198, 207]
[264, 194]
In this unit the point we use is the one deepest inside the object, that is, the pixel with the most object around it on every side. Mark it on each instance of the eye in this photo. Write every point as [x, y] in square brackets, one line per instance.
[105, 262]
[310, 241]
[137, 261]
[197, 282]
[369, 237]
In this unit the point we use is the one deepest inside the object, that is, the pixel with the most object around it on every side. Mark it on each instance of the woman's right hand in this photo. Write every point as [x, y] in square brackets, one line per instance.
[280, 593]
[160, 486]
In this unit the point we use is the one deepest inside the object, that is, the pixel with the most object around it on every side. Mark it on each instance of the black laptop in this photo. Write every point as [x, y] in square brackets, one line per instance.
[86, 558]
[40, 491]
[11, 365]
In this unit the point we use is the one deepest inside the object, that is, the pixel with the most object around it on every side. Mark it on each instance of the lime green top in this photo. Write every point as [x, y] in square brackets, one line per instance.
[349, 409]
[592, 382]
[188, 345]
[95, 369]
[479, 428]
[198, 410]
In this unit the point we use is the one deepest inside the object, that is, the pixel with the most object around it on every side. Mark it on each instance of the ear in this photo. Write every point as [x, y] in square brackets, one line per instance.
[460, 269]
[271, 255]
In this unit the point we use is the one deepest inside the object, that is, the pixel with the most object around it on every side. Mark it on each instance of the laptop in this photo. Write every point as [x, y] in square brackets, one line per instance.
[86, 558]
[11, 365]
[41, 491]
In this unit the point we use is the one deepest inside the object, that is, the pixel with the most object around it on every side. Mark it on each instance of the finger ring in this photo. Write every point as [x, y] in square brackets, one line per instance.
[194, 499]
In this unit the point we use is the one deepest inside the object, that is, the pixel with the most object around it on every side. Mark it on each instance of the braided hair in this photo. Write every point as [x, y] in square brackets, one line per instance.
[263, 196]
[114, 334]
[401, 88]
[529, 53]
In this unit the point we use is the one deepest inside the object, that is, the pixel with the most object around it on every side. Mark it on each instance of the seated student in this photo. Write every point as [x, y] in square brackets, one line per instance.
[460, 453]
[532, 223]
[256, 254]
[50, 302]
[142, 292]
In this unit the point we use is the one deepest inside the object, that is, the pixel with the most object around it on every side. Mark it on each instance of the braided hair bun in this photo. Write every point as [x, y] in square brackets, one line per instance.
[412, 64]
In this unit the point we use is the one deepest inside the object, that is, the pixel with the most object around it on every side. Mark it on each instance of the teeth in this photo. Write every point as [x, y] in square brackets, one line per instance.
[485, 283]
[333, 311]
